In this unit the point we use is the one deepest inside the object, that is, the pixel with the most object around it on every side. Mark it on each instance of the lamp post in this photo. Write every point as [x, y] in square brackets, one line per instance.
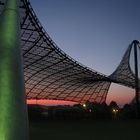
[13, 110]
[115, 111]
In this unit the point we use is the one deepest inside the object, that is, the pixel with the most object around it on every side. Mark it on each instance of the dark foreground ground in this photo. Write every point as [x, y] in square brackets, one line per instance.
[85, 130]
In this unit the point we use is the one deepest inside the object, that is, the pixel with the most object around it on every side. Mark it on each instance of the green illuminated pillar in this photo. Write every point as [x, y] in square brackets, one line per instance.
[13, 110]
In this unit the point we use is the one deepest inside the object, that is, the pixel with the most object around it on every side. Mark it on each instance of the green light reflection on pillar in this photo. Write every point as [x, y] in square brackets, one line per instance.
[13, 110]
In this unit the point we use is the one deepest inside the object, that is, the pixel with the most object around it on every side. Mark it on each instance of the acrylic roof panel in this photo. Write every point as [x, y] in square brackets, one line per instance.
[49, 72]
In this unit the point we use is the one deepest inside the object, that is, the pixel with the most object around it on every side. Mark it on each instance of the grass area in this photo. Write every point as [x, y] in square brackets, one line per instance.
[85, 130]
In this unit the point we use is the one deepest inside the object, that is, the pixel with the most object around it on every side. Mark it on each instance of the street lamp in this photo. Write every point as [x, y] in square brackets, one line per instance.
[84, 106]
[115, 111]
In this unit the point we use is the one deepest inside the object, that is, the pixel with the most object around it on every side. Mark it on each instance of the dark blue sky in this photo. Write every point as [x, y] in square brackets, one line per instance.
[94, 32]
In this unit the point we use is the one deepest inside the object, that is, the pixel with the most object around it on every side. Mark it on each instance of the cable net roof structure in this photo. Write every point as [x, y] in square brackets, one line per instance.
[52, 74]
[124, 74]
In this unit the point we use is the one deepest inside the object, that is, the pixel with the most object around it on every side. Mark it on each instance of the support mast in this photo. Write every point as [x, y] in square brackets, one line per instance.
[13, 109]
[135, 42]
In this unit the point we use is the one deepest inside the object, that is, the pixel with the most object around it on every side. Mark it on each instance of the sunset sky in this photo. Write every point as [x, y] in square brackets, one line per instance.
[93, 32]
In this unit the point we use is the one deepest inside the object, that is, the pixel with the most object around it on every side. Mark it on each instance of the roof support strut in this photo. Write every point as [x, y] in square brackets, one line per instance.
[13, 109]
[136, 78]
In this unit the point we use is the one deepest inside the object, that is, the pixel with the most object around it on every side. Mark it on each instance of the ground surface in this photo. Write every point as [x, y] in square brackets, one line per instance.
[85, 130]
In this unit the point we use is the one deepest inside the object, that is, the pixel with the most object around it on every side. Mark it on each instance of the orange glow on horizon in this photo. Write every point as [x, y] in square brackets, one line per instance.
[120, 94]
[50, 102]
